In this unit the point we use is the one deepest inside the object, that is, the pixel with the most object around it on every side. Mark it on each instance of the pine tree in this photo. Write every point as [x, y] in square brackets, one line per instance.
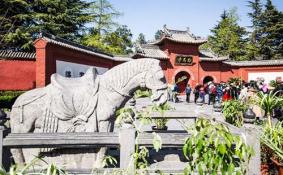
[228, 38]
[253, 48]
[272, 30]
[141, 39]
[13, 24]
[158, 34]
[102, 14]
[64, 18]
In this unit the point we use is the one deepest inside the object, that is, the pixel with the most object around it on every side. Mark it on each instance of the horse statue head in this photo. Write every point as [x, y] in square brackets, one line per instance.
[123, 80]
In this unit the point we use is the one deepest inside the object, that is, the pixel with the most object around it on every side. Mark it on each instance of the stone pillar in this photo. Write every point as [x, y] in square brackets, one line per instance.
[127, 136]
[1, 144]
[252, 134]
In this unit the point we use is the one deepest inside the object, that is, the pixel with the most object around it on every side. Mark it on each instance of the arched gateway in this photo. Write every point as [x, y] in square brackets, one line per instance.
[181, 79]
[208, 79]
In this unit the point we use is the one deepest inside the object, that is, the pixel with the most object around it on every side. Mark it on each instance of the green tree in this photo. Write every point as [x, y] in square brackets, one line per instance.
[158, 34]
[25, 19]
[102, 13]
[271, 44]
[253, 48]
[116, 42]
[141, 39]
[228, 38]
[13, 22]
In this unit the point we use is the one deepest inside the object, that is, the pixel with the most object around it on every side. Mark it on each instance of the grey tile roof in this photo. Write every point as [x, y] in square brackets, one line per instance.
[209, 56]
[255, 63]
[4, 54]
[150, 51]
[74, 46]
[122, 58]
[179, 36]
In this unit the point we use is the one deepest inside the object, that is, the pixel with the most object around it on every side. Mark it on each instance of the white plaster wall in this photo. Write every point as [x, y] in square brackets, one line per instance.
[63, 66]
[268, 76]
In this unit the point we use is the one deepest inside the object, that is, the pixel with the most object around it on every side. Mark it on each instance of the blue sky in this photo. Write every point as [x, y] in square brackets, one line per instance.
[147, 16]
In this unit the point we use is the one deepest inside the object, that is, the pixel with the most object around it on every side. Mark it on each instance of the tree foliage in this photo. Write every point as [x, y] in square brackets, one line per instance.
[158, 34]
[265, 40]
[116, 42]
[22, 20]
[106, 34]
[228, 38]
[102, 15]
[141, 39]
[271, 26]
[253, 48]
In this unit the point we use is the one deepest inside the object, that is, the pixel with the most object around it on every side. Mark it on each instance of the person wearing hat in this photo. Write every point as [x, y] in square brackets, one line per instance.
[252, 96]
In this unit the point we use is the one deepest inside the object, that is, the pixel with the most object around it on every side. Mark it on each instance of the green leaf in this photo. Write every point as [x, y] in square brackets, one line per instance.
[157, 142]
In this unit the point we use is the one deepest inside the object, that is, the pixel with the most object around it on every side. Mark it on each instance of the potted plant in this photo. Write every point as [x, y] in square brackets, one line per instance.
[233, 112]
[265, 154]
[211, 148]
[160, 123]
[268, 102]
[272, 137]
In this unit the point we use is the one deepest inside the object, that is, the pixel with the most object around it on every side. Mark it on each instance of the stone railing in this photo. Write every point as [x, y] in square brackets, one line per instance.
[125, 140]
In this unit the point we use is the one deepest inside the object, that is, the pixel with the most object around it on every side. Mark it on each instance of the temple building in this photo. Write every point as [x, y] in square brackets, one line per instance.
[183, 62]
[178, 51]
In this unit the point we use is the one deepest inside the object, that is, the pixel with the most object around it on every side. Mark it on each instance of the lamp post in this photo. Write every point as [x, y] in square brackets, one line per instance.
[249, 116]
[217, 106]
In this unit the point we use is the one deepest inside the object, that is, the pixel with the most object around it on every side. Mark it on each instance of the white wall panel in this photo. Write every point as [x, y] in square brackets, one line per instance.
[63, 66]
[268, 76]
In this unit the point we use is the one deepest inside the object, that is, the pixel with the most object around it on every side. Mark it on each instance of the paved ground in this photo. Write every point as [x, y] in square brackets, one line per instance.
[184, 110]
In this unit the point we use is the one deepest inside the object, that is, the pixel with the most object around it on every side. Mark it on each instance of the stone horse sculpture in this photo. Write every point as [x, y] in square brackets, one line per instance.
[85, 104]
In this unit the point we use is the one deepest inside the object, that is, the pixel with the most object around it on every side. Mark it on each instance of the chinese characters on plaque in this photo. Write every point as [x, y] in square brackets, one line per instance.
[184, 60]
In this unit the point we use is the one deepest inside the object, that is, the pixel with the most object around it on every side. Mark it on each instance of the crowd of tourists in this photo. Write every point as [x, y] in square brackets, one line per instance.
[218, 92]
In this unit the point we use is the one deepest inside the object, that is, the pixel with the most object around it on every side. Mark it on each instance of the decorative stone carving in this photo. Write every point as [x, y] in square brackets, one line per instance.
[85, 104]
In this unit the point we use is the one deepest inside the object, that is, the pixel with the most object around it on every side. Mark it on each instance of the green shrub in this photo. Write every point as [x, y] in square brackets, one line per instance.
[272, 137]
[11, 93]
[142, 93]
[233, 112]
[211, 148]
[7, 98]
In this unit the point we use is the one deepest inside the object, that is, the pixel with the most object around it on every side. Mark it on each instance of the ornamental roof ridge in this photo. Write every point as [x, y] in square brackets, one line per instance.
[10, 54]
[179, 36]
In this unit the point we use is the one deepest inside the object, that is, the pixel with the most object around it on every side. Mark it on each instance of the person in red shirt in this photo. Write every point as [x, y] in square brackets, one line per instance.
[227, 94]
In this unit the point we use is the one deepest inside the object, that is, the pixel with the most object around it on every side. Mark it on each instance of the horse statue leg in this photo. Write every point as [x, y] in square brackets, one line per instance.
[23, 120]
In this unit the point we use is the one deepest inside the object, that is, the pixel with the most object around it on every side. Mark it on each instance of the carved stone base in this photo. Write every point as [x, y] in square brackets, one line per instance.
[67, 158]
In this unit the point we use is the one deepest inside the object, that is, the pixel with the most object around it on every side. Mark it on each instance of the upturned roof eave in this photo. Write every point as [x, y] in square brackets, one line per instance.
[196, 42]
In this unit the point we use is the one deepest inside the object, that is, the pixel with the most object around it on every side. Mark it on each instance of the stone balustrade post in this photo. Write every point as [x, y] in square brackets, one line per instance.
[127, 136]
[2, 128]
[252, 135]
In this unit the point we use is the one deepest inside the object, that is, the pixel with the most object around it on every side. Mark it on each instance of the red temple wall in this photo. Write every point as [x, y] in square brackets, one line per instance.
[17, 74]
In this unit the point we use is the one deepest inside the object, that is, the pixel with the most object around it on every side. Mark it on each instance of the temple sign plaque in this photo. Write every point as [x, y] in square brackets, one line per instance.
[184, 60]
